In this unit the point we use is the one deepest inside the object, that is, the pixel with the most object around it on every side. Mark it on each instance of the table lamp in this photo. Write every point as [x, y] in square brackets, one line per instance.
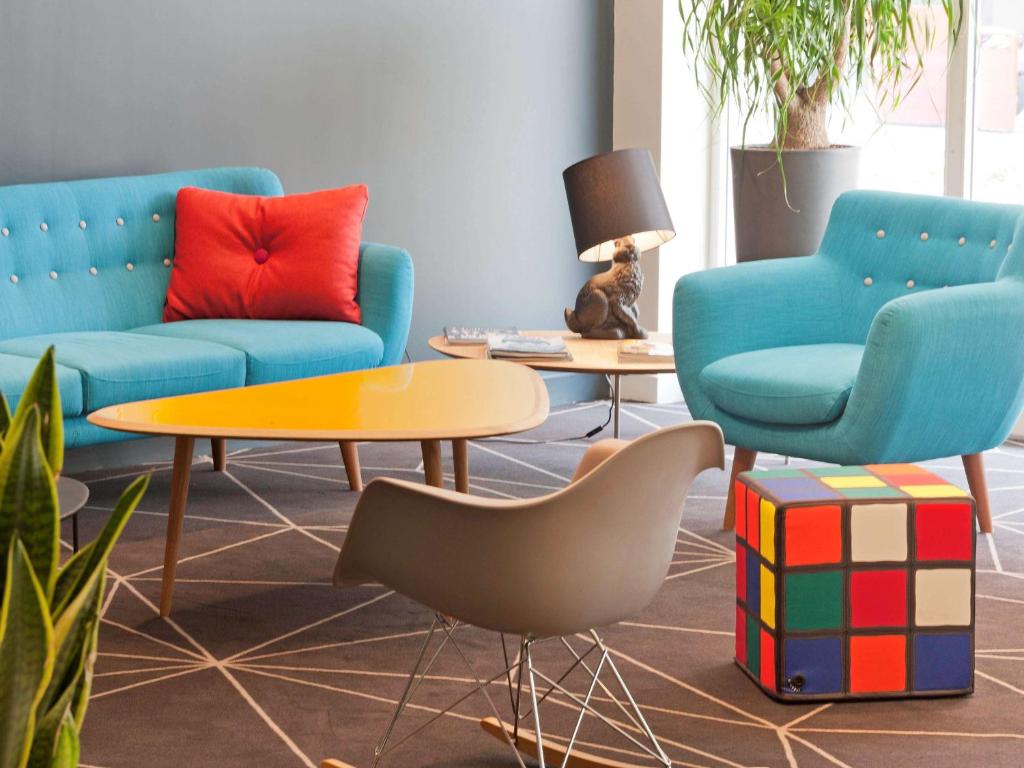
[618, 212]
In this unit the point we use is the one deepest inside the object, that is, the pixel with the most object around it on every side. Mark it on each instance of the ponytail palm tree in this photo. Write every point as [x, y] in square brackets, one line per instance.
[796, 59]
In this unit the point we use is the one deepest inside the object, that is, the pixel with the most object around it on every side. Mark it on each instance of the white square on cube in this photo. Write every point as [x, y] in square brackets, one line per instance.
[942, 597]
[878, 532]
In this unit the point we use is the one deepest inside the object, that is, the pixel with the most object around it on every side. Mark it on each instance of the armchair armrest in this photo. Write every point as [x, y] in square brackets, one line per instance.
[942, 374]
[385, 296]
[755, 305]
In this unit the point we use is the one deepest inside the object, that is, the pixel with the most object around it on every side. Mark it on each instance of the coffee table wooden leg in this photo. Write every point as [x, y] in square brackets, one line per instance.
[350, 455]
[432, 462]
[220, 453]
[460, 457]
[180, 475]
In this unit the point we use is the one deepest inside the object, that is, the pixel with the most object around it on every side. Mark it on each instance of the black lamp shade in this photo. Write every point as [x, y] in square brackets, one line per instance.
[615, 195]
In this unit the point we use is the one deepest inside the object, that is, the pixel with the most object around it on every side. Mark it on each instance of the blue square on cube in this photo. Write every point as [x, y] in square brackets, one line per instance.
[942, 662]
[795, 489]
[753, 582]
[816, 662]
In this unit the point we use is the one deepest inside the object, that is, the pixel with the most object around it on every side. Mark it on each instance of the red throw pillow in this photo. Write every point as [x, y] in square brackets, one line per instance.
[271, 258]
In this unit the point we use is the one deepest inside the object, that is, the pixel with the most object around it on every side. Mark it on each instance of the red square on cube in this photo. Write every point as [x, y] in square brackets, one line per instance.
[878, 598]
[741, 509]
[944, 531]
[753, 519]
[878, 663]
[767, 659]
[741, 635]
[741, 572]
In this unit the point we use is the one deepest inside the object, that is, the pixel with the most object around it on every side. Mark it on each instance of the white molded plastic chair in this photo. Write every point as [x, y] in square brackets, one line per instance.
[590, 555]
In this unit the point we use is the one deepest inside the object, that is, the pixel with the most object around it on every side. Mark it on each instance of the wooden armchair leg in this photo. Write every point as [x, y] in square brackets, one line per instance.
[742, 461]
[350, 455]
[219, 447]
[974, 466]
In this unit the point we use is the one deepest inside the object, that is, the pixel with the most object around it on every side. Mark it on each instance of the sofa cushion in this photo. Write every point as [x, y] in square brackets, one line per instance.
[118, 367]
[279, 350]
[806, 384]
[270, 258]
[15, 371]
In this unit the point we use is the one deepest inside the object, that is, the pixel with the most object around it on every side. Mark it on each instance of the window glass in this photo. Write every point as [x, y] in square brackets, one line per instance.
[998, 172]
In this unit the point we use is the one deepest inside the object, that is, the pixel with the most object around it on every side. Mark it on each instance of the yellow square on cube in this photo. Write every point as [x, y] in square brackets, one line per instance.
[854, 481]
[932, 491]
[768, 530]
[767, 596]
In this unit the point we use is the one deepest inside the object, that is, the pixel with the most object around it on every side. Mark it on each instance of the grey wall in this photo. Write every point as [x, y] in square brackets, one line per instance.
[459, 114]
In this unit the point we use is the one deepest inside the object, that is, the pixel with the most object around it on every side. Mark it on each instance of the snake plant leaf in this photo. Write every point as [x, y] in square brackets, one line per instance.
[72, 630]
[5, 418]
[28, 498]
[80, 701]
[49, 728]
[42, 391]
[94, 557]
[67, 745]
[26, 637]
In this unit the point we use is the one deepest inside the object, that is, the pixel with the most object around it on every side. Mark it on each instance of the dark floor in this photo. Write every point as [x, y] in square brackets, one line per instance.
[263, 663]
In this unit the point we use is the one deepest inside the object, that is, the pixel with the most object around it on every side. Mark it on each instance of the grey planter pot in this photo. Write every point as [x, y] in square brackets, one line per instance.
[766, 228]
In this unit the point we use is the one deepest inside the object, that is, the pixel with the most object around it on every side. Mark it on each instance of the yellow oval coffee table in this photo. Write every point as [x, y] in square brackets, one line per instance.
[427, 402]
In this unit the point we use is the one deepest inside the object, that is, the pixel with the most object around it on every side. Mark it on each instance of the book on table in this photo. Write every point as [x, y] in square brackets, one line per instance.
[639, 351]
[515, 346]
[467, 334]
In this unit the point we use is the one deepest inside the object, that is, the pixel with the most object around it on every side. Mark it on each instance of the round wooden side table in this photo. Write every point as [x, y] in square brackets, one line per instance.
[72, 496]
[599, 356]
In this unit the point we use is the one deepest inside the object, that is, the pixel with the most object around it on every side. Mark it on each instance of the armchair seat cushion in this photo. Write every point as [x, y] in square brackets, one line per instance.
[280, 350]
[15, 372]
[119, 367]
[806, 384]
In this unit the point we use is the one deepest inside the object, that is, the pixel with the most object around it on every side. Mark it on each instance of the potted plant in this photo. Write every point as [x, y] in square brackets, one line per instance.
[49, 614]
[796, 60]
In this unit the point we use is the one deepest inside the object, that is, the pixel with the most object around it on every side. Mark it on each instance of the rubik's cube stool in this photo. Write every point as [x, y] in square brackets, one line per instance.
[854, 582]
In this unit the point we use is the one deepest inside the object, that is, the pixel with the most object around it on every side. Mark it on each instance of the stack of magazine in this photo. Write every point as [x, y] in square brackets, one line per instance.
[514, 346]
[637, 351]
[466, 335]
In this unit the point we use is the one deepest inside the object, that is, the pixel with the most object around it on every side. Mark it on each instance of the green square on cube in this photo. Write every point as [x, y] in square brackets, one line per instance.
[813, 600]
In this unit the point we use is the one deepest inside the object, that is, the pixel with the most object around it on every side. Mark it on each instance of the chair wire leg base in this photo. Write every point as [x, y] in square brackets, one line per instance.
[524, 669]
[629, 708]
[447, 626]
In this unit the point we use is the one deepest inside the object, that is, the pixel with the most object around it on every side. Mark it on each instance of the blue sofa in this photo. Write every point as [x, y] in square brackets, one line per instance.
[902, 339]
[84, 266]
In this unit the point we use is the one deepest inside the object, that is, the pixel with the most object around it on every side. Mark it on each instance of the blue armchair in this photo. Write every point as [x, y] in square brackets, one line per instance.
[902, 339]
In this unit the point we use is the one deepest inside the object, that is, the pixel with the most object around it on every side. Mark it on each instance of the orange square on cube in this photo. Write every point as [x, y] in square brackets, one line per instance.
[899, 475]
[886, 470]
[878, 663]
[813, 535]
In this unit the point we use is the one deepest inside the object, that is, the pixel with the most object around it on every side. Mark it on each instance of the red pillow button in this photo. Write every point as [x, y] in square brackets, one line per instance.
[261, 255]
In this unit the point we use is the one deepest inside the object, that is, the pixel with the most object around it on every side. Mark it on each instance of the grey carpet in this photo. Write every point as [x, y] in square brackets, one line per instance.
[264, 663]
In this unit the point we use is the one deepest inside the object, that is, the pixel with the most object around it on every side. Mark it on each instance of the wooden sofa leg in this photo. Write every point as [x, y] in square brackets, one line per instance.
[350, 455]
[742, 461]
[220, 453]
[974, 466]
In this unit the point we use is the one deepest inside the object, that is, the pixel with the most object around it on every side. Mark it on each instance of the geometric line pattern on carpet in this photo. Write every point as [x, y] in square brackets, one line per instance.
[264, 662]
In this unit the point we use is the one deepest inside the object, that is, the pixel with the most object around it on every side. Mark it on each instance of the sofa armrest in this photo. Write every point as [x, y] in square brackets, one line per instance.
[942, 374]
[755, 305]
[385, 296]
